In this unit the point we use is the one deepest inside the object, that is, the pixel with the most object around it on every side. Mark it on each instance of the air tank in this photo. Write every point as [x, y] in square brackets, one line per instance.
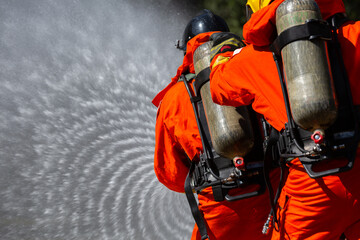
[230, 128]
[306, 68]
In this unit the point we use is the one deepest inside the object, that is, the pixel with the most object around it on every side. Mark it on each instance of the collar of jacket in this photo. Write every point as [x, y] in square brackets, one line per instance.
[187, 65]
[260, 30]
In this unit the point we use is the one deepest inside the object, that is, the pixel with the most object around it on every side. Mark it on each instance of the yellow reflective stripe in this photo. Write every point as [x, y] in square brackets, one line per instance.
[220, 60]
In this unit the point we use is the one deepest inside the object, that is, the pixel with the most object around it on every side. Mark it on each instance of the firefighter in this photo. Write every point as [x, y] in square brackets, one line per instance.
[308, 208]
[178, 142]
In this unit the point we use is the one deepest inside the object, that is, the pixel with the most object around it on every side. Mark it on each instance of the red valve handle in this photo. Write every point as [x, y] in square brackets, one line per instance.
[317, 137]
[239, 162]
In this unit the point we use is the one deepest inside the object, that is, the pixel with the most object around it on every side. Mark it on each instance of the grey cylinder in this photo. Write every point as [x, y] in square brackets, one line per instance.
[309, 84]
[230, 128]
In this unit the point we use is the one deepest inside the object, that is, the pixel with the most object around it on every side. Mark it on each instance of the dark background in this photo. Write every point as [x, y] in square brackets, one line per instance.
[233, 11]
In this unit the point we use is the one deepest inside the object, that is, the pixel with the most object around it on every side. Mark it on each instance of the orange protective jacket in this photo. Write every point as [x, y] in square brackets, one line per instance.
[177, 140]
[321, 208]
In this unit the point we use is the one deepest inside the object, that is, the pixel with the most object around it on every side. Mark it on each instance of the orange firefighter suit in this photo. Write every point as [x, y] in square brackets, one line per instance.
[177, 139]
[322, 208]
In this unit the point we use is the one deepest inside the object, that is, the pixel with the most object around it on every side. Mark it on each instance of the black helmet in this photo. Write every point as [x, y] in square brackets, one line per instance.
[206, 21]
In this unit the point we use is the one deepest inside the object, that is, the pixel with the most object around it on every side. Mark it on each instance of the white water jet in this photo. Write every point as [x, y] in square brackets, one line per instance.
[77, 123]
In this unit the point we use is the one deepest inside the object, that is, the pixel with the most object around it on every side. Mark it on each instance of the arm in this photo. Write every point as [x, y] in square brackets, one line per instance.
[250, 77]
[170, 161]
[225, 78]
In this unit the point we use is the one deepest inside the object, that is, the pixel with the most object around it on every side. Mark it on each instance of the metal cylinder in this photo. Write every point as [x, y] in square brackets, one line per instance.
[230, 128]
[306, 68]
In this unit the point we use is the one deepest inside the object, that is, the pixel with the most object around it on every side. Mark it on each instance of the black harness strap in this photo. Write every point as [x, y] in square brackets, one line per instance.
[199, 219]
[338, 19]
[310, 30]
[195, 100]
[201, 79]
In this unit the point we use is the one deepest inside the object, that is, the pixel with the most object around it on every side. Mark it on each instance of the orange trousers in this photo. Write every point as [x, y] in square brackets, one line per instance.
[238, 220]
[323, 208]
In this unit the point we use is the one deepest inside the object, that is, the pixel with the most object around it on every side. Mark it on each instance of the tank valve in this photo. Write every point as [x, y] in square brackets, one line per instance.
[318, 136]
[239, 163]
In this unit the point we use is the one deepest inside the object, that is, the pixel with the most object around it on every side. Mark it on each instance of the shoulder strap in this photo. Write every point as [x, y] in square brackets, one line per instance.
[198, 217]
[190, 76]
[201, 79]
[337, 20]
[200, 124]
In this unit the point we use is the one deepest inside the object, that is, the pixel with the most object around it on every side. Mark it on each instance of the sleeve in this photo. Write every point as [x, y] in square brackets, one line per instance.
[349, 38]
[170, 161]
[224, 82]
[250, 77]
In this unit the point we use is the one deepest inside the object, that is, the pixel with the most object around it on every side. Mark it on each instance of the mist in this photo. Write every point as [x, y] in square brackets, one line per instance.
[77, 123]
